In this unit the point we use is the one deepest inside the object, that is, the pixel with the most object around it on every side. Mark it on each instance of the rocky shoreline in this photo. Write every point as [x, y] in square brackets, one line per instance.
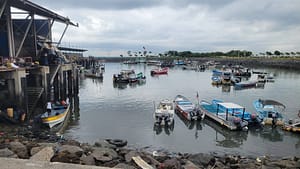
[44, 146]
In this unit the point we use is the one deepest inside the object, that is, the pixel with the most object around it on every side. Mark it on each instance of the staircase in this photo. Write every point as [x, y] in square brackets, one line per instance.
[34, 94]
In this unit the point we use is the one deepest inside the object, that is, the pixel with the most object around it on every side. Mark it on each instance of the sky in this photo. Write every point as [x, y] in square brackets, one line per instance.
[113, 27]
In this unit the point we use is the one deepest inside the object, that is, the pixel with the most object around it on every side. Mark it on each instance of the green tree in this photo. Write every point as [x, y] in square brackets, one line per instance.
[276, 52]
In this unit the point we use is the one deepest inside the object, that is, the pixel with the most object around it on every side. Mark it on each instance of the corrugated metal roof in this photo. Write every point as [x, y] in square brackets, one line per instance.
[39, 10]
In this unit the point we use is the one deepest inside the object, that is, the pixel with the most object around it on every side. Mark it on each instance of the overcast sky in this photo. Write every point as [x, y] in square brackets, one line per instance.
[112, 27]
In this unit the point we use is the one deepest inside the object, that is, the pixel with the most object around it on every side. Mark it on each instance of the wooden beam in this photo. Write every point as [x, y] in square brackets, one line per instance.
[141, 163]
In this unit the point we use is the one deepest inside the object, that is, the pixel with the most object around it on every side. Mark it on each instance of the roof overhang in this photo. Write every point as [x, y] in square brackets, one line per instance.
[71, 49]
[28, 6]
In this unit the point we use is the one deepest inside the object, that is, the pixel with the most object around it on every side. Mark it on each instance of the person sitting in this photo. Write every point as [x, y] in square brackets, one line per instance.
[49, 108]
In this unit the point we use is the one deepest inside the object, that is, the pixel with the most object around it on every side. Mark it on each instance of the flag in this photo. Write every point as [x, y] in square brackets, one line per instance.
[144, 48]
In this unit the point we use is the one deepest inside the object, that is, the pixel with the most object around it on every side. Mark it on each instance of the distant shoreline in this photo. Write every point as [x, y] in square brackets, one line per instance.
[281, 63]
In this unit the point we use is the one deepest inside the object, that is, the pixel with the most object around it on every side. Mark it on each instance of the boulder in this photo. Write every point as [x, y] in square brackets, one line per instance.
[35, 150]
[68, 154]
[201, 159]
[124, 166]
[104, 154]
[87, 160]
[20, 149]
[170, 164]
[128, 156]
[7, 153]
[190, 165]
[43, 155]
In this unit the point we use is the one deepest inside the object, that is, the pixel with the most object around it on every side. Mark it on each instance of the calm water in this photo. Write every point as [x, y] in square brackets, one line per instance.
[126, 112]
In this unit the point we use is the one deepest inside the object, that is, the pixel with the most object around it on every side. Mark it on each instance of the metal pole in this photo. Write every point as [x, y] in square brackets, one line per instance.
[3, 7]
[67, 25]
[10, 34]
[243, 113]
[24, 37]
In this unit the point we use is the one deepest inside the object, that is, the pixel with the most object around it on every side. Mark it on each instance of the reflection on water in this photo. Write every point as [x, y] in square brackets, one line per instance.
[109, 110]
[227, 138]
[191, 125]
[167, 129]
[273, 134]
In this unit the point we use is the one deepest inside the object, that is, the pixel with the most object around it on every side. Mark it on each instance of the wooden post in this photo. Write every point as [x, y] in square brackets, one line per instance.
[226, 114]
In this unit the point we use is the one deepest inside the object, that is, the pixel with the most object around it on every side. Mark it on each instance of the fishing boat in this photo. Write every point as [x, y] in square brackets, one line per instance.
[124, 76]
[238, 111]
[226, 78]
[187, 109]
[164, 113]
[216, 80]
[245, 84]
[141, 78]
[271, 111]
[56, 114]
[159, 71]
[95, 72]
[220, 113]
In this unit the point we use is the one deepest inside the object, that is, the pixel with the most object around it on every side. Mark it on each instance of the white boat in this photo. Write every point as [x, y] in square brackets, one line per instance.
[164, 113]
[56, 116]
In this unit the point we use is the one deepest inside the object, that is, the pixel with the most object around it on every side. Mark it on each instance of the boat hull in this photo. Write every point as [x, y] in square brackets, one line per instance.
[187, 109]
[58, 117]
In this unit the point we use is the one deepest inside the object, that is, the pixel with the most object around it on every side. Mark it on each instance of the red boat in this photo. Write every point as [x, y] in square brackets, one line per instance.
[159, 71]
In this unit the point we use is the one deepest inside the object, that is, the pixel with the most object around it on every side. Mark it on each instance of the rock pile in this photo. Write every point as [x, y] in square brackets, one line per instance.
[105, 154]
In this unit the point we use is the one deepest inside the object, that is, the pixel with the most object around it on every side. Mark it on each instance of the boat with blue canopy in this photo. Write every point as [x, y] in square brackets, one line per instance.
[223, 113]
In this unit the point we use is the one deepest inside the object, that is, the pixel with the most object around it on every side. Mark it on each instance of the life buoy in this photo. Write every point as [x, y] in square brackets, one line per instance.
[117, 142]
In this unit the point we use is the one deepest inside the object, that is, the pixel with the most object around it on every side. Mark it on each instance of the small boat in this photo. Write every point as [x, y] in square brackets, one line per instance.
[226, 78]
[141, 78]
[220, 113]
[124, 76]
[216, 72]
[159, 71]
[164, 113]
[292, 126]
[270, 111]
[216, 80]
[56, 115]
[261, 78]
[187, 109]
[95, 72]
[245, 84]
[238, 111]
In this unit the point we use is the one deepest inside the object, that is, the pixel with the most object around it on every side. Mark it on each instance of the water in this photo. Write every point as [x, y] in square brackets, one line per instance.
[126, 112]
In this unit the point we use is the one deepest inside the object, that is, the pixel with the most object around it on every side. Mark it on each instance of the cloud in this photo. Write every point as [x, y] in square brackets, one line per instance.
[113, 26]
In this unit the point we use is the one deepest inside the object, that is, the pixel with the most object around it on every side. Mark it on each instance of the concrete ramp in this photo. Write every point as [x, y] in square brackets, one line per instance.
[11, 163]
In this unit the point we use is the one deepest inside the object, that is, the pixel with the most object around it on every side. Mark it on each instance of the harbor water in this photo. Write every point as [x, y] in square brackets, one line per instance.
[123, 111]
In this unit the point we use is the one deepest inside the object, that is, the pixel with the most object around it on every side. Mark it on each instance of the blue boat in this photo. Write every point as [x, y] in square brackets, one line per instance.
[216, 80]
[217, 72]
[238, 111]
[222, 113]
[271, 111]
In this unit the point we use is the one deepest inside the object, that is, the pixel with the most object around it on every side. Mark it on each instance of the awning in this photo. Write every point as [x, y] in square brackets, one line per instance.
[38, 10]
